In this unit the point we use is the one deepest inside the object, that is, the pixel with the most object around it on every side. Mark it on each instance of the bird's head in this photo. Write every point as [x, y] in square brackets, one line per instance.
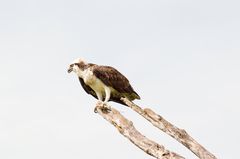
[77, 66]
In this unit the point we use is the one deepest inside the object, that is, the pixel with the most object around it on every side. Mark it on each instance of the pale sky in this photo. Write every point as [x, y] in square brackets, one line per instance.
[182, 57]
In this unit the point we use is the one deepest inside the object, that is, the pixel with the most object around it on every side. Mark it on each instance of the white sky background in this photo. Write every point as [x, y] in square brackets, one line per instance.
[182, 57]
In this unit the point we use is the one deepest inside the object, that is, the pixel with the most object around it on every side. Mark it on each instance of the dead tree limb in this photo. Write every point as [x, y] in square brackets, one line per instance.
[126, 128]
[179, 134]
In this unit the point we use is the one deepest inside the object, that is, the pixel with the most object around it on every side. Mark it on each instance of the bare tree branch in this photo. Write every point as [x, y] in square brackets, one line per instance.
[126, 128]
[179, 134]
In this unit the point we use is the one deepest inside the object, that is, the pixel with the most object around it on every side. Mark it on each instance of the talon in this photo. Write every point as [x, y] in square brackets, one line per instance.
[106, 108]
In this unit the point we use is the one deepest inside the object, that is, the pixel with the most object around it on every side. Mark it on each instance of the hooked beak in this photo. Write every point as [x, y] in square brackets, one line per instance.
[70, 69]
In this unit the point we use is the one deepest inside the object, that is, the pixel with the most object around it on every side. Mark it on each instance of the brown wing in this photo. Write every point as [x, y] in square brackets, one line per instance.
[87, 89]
[113, 78]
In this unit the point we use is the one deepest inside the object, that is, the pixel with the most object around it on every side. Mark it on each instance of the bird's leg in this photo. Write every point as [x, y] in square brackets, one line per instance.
[99, 96]
[105, 107]
[107, 94]
[107, 97]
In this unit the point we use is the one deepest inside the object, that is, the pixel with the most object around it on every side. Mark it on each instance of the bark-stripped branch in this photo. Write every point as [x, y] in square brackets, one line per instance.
[126, 128]
[179, 134]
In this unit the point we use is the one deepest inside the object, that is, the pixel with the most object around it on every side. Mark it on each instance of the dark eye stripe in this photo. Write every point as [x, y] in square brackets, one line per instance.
[74, 64]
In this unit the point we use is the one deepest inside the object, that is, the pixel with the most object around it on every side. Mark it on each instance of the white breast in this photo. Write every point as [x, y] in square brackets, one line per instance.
[91, 80]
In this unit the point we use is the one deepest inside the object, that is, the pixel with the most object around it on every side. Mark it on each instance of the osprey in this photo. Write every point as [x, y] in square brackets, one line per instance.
[105, 83]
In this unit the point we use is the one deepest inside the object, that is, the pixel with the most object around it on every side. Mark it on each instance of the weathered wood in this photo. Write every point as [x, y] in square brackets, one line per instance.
[127, 129]
[179, 134]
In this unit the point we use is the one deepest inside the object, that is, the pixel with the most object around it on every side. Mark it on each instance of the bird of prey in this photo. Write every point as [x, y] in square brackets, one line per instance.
[105, 83]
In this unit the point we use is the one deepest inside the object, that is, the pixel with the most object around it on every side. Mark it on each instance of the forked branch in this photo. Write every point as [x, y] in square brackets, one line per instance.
[126, 128]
